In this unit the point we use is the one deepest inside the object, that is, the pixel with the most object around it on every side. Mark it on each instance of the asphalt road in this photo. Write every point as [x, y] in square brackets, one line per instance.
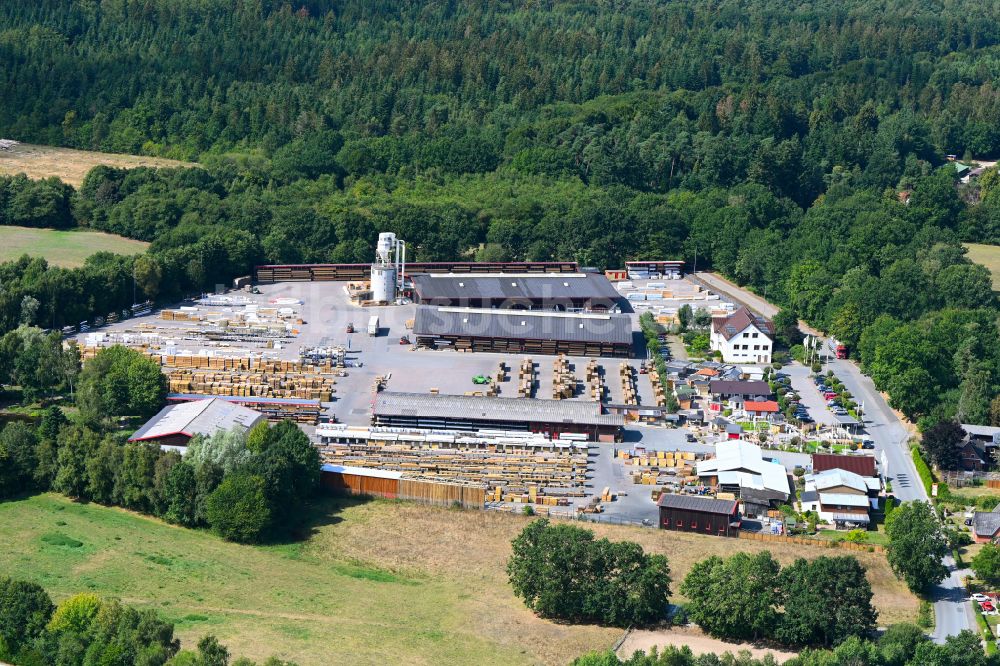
[952, 611]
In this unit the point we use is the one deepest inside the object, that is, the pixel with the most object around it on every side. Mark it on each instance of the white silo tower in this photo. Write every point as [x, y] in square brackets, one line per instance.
[387, 271]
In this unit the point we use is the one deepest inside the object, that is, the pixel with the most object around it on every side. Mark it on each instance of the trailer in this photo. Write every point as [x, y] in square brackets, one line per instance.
[373, 326]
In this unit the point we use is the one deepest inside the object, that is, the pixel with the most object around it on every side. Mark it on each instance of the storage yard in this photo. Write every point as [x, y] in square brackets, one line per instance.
[383, 386]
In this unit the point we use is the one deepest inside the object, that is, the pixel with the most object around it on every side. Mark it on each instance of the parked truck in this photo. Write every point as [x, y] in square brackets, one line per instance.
[841, 351]
[373, 326]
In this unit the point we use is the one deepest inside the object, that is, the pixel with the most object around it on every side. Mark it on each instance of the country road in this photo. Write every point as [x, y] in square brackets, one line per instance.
[953, 613]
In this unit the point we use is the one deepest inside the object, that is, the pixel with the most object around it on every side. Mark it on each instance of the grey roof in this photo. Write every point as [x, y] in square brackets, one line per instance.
[520, 410]
[981, 431]
[523, 325]
[515, 286]
[697, 503]
[200, 417]
[718, 386]
[986, 524]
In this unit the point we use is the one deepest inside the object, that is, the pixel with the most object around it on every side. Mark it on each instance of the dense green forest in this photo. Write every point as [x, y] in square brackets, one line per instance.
[771, 140]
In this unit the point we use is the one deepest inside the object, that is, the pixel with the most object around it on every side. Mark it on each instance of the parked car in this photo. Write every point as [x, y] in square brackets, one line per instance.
[978, 596]
[868, 445]
[691, 438]
[968, 523]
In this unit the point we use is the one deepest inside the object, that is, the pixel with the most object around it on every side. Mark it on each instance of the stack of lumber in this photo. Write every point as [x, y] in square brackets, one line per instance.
[514, 471]
[501, 372]
[251, 384]
[526, 379]
[629, 393]
[563, 380]
[595, 379]
[658, 392]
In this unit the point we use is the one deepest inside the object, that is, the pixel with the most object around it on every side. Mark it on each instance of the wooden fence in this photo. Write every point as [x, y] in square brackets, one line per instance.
[847, 545]
[441, 494]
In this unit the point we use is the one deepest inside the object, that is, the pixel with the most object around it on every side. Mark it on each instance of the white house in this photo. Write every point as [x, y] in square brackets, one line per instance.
[742, 337]
[841, 497]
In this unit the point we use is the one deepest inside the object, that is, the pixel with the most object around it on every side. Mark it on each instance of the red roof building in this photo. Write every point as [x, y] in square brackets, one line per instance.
[860, 465]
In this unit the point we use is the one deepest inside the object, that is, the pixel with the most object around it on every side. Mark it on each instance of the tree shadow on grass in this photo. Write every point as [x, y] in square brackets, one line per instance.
[323, 511]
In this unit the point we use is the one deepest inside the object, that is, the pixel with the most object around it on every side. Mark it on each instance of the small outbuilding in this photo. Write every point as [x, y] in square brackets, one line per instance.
[693, 513]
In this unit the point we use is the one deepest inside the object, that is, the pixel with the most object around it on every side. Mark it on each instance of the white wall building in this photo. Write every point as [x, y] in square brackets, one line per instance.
[841, 497]
[743, 337]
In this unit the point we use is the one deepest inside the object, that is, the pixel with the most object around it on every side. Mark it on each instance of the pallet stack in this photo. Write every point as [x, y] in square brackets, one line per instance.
[502, 372]
[526, 379]
[658, 392]
[563, 379]
[629, 394]
[595, 379]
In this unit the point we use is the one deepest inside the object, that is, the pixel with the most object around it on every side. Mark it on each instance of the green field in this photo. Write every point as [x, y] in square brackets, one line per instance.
[989, 256]
[62, 248]
[302, 602]
[372, 583]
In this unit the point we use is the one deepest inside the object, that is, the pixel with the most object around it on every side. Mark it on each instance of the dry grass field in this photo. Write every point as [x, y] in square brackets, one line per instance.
[374, 583]
[67, 164]
[989, 256]
[68, 249]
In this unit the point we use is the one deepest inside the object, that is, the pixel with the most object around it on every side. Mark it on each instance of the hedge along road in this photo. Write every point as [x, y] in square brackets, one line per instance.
[952, 611]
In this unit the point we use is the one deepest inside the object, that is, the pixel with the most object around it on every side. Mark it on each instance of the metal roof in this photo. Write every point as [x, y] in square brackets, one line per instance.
[523, 325]
[843, 499]
[852, 517]
[362, 471]
[697, 503]
[241, 399]
[558, 287]
[831, 478]
[861, 465]
[517, 410]
[200, 417]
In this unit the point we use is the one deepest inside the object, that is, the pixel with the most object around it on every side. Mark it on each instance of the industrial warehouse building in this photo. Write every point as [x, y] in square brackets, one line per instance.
[475, 413]
[705, 515]
[524, 331]
[518, 291]
[175, 425]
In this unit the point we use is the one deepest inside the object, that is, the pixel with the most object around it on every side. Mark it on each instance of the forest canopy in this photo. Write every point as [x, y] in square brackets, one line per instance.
[796, 148]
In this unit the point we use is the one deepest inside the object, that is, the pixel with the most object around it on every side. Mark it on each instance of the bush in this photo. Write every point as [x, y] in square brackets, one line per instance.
[239, 510]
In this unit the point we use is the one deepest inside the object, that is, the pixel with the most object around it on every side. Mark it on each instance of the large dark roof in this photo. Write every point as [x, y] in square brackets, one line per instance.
[737, 322]
[523, 325]
[514, 410]
[861, 465]
[559, 287]
[717, 386]
[696, 503]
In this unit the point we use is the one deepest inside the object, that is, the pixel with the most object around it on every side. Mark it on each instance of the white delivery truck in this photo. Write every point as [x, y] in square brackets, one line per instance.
[373, 326]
